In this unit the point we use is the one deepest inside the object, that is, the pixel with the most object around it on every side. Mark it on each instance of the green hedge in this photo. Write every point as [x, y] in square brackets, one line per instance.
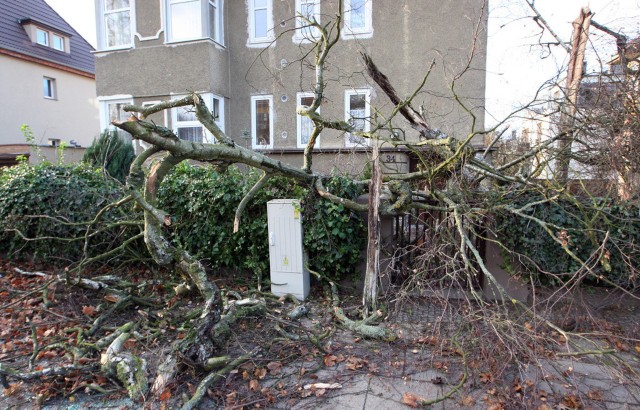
[203, 202]
[46, 200]
[584, 224]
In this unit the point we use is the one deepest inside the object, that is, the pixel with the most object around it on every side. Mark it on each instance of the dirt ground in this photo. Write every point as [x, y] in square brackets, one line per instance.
[469, 351]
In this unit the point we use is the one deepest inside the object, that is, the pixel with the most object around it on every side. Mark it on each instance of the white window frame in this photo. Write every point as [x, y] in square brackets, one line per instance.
[101, 25]
[255, 41]
[46, 37]
[360, 32]
[218, 36]
[207, 137]
[206, 30]
[105, 121]
[302, 25]
[300, 119]
[367, 115]
[53, 42]
[254, 124]
[49, 90]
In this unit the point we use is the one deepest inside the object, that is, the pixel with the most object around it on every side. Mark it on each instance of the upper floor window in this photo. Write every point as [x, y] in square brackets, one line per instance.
[45, 36]
[42, 37]
[306, 11]
[194, 19]
[115, 24]
[357, 113]
[305, 125]
[358, 18]
[49, 88]
[260, 21]
[57, 42]
[262, 121]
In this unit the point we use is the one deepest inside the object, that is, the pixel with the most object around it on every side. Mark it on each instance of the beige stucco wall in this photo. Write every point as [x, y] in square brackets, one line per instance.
[73, 115]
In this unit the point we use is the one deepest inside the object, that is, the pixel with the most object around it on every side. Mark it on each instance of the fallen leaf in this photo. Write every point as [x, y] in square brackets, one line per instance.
[13, 389]
[89, 311]
[595, 395]
[468, 401]
[254, 385]
[330, 360]
[355, 363]
[637, 348]
[260, 373]
[319, 392]
[410, 400]
[166, 395]
[486, 377]
[274, 367]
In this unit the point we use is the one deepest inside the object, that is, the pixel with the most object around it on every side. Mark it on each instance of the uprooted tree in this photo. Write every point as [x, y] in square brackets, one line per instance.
[452, 180]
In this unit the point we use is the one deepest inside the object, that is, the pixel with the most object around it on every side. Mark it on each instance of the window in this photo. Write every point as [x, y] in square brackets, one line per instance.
[186, 125]
[49, 88]
[216, 28]
[115, 24]
[42, 37]
[260, 21]
[357, 113]
[306, 10]
[358, 18]
[194, 19]
[262, 121]
[58, 42]
[305, 125]
[111, 109]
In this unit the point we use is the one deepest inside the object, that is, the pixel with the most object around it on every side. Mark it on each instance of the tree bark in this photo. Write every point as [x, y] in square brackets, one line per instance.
[370, 292]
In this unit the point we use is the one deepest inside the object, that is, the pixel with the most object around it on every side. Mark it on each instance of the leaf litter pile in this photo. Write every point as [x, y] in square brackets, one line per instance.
[53, 337]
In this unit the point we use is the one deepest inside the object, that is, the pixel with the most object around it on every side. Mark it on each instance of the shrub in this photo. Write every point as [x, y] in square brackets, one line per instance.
[112, 153]
[600, 231]
[48, 200]
[203, 202]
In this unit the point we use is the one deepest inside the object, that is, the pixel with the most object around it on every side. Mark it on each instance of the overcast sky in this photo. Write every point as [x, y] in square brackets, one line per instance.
[516, 64]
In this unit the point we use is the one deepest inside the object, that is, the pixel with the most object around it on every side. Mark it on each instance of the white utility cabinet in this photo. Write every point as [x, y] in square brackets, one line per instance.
[286, 250]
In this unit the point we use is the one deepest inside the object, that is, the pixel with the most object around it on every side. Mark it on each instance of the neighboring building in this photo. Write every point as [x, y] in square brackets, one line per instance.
[47, 81]
[251, 60]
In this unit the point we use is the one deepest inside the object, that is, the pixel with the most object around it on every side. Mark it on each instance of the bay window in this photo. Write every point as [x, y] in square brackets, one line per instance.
[194, 20]
[186, 126]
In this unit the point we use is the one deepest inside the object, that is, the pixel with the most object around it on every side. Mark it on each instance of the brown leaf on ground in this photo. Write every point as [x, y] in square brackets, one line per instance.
[571, 401]
[486, 377]
[166, 395]
[355, 363]
[468, 401]
[254, 385]
[13, 389]
[595, 395]
[260, 373]
[89, 311]
[274, 367]
[410, 400]
[330, 360]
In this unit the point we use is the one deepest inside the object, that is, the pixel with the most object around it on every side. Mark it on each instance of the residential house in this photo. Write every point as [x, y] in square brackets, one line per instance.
[252, 61]
[47, 81]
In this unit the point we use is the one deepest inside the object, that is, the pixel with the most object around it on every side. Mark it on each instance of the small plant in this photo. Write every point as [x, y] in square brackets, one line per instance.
[112, 153]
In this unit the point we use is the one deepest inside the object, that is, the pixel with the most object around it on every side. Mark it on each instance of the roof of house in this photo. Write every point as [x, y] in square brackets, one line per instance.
[15, 41]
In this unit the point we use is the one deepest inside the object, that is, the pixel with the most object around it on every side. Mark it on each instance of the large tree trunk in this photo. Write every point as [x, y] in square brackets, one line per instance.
[370, 292]
[574, 77]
